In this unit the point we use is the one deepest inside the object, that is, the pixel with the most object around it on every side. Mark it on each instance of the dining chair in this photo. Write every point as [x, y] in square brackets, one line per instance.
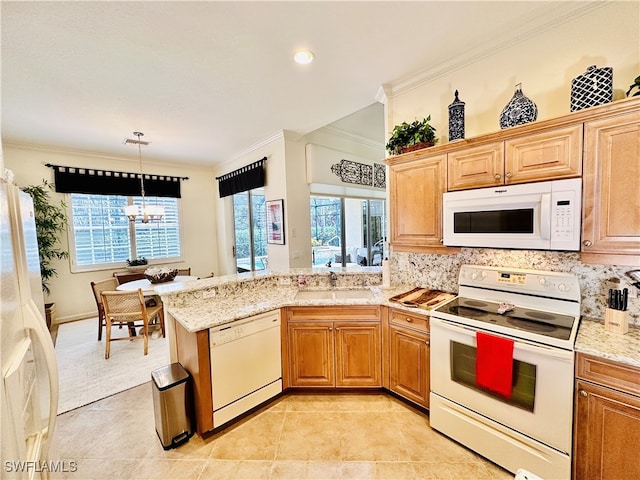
[184, 271]
[127, 308]
[97, 288]
[124, 277]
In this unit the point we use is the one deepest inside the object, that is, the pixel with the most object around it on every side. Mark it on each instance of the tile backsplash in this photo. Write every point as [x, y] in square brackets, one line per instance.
[441, 272]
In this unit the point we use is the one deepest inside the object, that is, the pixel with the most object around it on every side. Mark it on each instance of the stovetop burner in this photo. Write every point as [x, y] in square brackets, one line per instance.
[523, 319]
[528, 325]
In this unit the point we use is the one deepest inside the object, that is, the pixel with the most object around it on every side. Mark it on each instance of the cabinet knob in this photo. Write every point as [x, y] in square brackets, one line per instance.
[508, 175]
[337, 329]
[587, 243]
[330, 329]
[497, 176]
[409, 320]
[583, 393]
[426, 342]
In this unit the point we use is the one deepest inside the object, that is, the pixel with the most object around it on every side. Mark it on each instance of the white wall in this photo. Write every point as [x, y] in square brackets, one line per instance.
[545, 65]
[275, 188]
[72, 291]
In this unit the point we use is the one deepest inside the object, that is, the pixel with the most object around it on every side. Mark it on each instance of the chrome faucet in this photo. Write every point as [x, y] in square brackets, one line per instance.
[333, 278]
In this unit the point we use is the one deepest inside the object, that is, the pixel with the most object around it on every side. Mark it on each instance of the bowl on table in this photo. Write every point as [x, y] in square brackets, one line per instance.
[160, 275]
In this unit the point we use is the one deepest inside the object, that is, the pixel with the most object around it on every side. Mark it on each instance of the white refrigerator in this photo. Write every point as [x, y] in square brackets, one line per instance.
[29, 387]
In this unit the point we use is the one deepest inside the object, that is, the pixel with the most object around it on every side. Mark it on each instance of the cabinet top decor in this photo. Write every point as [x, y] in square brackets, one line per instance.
[588, 114]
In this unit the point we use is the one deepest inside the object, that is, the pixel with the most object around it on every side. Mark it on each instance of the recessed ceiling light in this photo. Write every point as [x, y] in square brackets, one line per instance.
[304, 57]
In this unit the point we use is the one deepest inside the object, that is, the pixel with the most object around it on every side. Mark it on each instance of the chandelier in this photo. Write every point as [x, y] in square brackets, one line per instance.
[145, 213]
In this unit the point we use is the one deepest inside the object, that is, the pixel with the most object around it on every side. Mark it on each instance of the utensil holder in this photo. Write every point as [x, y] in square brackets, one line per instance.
[616, 321]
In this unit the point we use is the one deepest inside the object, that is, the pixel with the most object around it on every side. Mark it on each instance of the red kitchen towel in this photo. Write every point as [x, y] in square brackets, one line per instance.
[494, 363]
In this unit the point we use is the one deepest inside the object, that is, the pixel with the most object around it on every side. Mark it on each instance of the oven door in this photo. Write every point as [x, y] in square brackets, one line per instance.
[540, 405]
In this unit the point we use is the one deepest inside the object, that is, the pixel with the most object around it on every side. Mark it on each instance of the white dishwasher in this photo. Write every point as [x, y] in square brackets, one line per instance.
[246, 365]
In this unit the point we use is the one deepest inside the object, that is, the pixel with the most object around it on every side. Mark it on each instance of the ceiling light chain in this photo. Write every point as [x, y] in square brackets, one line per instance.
[147, 213]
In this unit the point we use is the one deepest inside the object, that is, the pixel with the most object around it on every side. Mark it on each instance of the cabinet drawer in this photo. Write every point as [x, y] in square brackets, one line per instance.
[611, 374]
[333, 313]
[404, 319]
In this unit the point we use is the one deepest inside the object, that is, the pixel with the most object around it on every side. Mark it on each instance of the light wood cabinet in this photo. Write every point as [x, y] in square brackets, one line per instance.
[409, 356]
[311, 354]
[607, 420]
[547, 155]
[192, 351]
[416, 185]
[611, 190]
[334, 346]
[480, 166]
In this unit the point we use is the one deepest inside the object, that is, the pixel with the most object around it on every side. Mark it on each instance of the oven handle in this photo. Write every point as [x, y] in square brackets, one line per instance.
[521, 344]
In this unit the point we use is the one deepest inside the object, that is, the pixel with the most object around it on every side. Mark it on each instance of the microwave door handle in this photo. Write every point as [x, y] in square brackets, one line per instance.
[545, 216]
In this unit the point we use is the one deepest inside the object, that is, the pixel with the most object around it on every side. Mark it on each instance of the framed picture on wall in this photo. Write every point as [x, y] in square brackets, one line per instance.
[275, 221]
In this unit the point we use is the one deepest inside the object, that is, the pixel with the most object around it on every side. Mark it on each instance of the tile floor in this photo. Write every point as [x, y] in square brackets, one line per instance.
[298, 436]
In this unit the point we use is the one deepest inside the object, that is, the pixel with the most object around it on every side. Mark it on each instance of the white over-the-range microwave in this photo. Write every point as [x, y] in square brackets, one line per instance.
[536, 216]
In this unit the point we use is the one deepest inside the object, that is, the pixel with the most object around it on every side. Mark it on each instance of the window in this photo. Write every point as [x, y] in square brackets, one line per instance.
[347, 231]
[101, 236]
[250, 230]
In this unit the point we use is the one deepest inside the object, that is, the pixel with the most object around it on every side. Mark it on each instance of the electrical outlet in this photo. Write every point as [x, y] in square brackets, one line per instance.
[284, 281]
[209, 293]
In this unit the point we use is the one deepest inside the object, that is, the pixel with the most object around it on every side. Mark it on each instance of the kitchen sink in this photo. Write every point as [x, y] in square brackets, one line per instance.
[334, 294]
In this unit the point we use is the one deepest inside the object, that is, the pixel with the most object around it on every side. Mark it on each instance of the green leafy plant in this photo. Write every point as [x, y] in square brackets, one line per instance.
[136, 262]
[411, 134]
[51, 221]
[636, 85]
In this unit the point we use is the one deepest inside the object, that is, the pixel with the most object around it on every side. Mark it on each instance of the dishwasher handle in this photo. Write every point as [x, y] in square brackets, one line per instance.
[242, 328]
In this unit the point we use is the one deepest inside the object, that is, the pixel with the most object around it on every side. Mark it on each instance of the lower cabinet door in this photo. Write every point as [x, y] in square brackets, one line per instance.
[311, 354]
[607, 433]
[409, 370]
[358, 351]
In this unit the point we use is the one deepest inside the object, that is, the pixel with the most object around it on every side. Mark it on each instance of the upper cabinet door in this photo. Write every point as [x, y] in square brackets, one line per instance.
[611, 188]
[481, 166]
[415, 192]
[549, 155]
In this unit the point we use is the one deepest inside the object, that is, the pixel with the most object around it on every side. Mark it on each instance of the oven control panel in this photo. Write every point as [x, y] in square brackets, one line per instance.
[508, 277]
[559, 285]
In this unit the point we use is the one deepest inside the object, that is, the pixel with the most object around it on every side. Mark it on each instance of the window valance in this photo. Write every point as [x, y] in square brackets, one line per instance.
[246, 178]
[110, 182]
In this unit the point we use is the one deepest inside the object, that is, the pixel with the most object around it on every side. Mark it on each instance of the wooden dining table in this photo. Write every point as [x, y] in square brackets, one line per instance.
[149, 288]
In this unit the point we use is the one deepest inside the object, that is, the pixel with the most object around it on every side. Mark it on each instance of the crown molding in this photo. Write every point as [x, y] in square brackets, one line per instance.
[101, 156]
[338, 132]
[279, 135]
[533, 26]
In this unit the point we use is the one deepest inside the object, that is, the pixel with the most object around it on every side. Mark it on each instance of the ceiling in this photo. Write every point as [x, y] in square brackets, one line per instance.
[207, 80]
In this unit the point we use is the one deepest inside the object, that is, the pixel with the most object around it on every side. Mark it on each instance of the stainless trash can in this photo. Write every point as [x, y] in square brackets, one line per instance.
[172, 405]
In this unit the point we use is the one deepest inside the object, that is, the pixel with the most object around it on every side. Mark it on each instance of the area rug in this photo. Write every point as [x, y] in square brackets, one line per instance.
[86, 376]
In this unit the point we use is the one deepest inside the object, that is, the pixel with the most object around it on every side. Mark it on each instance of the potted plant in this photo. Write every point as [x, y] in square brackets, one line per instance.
[137, 264]
[51, 221]
[411, 136]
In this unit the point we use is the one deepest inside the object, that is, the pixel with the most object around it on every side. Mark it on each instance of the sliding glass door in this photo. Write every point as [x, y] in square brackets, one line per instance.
[250, 230]
[347, 231]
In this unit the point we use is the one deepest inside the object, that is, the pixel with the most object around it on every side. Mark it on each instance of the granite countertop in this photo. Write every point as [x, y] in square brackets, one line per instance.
[594, 340]
[200, 312]
[201, 315]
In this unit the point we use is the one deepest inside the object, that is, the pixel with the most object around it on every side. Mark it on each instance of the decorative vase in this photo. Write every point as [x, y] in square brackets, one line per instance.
[50, 314]
[456, 119]
[519, 110]
[593, 87]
